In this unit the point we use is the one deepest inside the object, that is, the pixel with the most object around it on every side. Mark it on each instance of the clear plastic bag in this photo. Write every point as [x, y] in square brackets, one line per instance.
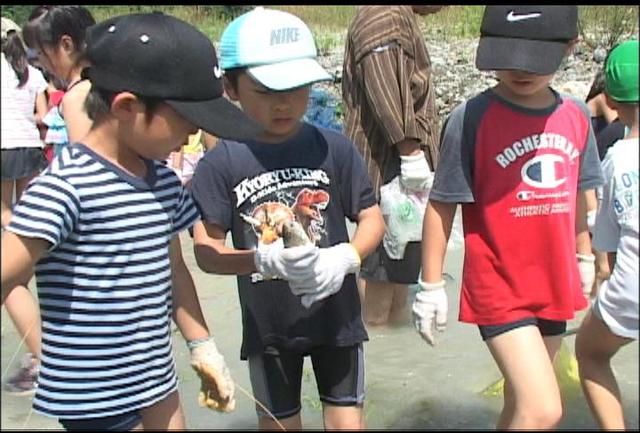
[403, 212]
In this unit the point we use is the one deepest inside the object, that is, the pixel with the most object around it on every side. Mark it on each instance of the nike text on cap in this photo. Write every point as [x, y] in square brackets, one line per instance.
[276, 47]
[526, 38]
[159, 56]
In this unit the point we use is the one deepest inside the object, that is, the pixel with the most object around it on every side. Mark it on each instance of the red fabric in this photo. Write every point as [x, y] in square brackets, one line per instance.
[520, 256]
[55, 98]
[48, 152]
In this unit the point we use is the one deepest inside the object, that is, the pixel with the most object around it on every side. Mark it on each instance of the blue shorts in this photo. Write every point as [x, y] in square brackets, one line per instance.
[276, 377]
[121, 422]
[547, 327]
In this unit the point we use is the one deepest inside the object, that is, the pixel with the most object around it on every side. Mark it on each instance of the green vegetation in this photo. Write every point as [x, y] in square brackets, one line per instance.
[599, 25]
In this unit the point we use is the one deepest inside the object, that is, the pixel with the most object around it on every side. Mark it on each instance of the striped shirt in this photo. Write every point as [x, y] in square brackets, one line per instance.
[387, 89]
[104, 286]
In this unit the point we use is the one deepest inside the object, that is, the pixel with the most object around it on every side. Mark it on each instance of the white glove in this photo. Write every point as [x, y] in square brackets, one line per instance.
[587, 269]
[591, 220]
[328, 273]
[274, 260]
[430, 310]
[415, 173]
[216, 386]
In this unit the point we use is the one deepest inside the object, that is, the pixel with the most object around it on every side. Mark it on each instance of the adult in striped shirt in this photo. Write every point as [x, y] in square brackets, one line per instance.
[391, 116]
[101, 226]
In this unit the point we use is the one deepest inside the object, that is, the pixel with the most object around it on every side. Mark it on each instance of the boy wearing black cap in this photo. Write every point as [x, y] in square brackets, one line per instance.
[101, 226]
[518, 157]
[613, 320]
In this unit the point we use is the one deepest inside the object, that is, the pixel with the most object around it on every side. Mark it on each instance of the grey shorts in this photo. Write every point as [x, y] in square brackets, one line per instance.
[276, 377]
[379, 267]
[22, 162]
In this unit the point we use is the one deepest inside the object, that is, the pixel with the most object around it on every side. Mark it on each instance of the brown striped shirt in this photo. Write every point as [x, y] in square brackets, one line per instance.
[387, 89]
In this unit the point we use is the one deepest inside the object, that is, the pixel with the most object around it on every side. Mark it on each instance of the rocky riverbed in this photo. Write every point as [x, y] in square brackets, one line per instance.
[457, 79]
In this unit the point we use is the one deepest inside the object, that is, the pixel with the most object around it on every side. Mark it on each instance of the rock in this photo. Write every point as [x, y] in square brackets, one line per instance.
[579, 89]
[457, 79]
[599, 54]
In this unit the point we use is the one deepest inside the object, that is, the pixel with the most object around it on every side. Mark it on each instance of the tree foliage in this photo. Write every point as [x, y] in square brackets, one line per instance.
[606, 26]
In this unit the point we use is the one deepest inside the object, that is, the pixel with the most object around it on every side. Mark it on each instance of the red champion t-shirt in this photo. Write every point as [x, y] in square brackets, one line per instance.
[523, 171]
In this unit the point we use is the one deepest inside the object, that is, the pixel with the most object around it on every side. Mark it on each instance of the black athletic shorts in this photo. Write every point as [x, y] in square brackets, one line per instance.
[276, 377]
[547, 327]
[122, 422]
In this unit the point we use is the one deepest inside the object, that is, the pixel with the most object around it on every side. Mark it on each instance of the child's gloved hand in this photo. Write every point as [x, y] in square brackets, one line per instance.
[328, 273]
[216, 387]
[415, 173]
[295, 263]
[430, 310]
[587, 269]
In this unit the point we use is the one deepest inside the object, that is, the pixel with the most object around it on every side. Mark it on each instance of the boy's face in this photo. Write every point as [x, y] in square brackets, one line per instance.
[157, 135]
[279, 113]
[523, 84]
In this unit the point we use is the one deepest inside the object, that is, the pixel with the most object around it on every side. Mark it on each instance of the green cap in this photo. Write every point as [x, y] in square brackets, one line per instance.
[621, 72]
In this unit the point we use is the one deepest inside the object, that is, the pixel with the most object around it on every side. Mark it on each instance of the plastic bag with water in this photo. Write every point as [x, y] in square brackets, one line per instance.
[403, 211]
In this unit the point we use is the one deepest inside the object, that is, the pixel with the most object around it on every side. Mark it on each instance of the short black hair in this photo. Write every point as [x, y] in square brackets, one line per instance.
[98, 104]
[233, 75]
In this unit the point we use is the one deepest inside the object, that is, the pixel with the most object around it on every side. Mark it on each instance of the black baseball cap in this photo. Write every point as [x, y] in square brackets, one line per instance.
[159, 56]
[527, 38]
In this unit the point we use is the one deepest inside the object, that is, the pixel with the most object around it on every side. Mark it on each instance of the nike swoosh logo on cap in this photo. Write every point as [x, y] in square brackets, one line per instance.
[512, 17]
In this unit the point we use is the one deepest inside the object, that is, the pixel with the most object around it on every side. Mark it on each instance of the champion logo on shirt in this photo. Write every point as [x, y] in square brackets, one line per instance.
[544, 171]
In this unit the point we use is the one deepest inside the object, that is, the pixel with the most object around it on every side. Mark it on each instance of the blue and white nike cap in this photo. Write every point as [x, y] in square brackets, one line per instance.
[276, 47]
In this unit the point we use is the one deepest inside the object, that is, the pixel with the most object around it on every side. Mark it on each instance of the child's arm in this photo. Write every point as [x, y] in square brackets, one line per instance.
[19, 256]
[369, 231]
[217, 387]
[585, 257]
[187, 312]
[213, 256]
[431, 305]
[436, 229]
[40, 107]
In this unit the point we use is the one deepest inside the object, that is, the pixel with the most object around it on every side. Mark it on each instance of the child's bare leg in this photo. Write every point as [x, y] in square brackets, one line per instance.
[292, 423]
[532, 396]
[164, 415]
[399, 313]
[378, 298]
[6, 197]
[506, 417]
[595, 346]
[343, 417]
